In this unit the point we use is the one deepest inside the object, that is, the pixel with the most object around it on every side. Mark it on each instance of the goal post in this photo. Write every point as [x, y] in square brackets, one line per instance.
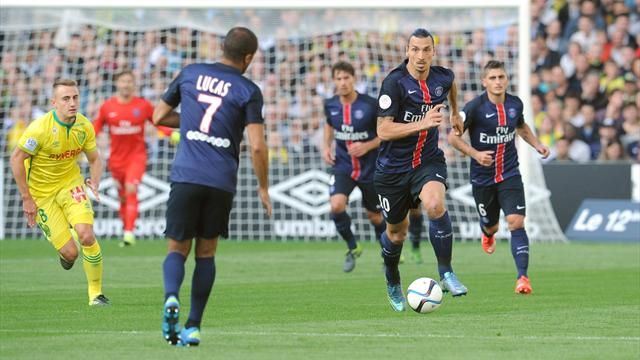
[297, 48]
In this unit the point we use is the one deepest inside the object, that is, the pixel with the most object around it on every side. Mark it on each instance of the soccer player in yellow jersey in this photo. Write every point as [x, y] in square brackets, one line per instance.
[44, 165]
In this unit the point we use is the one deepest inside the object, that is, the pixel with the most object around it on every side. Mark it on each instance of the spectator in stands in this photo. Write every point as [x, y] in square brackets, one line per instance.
[541, 56]
[560, 151]
[611, 78]
[591, 93]
[578, 150]
[586, 35]
[589, 130]
[613, 151]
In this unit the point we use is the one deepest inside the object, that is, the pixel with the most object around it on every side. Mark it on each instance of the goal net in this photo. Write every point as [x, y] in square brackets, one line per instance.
[292, 67]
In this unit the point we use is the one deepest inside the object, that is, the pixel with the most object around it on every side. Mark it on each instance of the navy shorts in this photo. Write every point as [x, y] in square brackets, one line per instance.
[197, 211]
[344, 184]
[397, 193]
[507, 195]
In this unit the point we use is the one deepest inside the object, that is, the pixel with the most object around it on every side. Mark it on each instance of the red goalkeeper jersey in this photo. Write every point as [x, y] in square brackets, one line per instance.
[126, 124]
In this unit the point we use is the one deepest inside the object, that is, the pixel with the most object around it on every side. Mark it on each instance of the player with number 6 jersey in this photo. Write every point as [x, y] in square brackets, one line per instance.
[494, 119]
[217, 103]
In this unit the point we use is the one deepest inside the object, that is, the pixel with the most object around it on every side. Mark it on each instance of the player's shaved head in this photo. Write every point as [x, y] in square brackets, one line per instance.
[64, 82]
[238, 43]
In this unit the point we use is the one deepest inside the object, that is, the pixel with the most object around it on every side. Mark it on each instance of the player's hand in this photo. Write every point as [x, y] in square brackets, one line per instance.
[456, 123]
[93, 187]
[30, 209]
[327, 155]
[484, 158]
[543, 150]
[357, 149]
[432, 118]
[265, 199]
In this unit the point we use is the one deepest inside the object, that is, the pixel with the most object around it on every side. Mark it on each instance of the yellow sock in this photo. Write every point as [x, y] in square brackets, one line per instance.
[92, 264]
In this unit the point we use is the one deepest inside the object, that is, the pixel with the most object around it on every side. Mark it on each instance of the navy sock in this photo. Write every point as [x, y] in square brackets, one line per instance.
[415, 230]
[391, 255]
[380, 228]
[520, 250]
[173, 274]
[441, 236]
[484, 231]
[343, 225]
[204, 274]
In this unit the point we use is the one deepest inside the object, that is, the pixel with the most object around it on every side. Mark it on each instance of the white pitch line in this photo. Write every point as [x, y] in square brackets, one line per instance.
[346, 335]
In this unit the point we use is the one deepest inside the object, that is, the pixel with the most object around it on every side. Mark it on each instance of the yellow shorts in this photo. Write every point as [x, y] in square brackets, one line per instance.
[56, 213]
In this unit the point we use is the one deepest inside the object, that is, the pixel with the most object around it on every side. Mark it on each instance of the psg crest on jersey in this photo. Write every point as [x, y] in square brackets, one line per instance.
[512, 112]
[358, 114]
[439, 90]
[136, 112]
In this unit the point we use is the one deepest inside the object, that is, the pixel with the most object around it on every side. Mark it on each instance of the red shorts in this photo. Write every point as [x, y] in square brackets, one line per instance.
[130, 172]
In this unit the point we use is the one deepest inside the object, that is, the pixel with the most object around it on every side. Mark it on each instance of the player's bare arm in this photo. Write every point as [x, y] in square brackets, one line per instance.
[524, 131]
[360, 148]
[260, 160]
[327, 149]
[484, 158]
[389, 130]
[163, 114]
[95, 172]
[454, 118]
[20, 175]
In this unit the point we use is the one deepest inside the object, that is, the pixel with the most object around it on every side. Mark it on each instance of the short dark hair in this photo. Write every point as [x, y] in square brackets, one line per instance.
[123, 73]
[64, 82]
[343, 66]
[491, 65]
[238, 43]
[421, 33]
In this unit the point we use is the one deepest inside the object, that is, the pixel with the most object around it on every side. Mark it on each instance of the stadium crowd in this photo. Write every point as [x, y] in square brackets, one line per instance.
[585, 64]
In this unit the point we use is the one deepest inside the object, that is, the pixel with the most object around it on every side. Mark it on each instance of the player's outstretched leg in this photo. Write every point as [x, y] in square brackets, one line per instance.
[520, 252]
[441, 235]
[391, 255]
[415, 234]
[130, 216]
[173, 274]
[343, 225]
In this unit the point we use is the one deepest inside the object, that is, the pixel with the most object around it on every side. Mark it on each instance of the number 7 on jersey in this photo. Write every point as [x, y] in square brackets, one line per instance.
[214, 103]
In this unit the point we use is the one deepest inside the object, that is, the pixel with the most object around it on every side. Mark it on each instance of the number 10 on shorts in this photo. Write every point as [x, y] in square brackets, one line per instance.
[384, 203]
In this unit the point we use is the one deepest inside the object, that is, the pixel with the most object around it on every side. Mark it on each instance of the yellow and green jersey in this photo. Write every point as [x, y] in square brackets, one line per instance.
[54, 147]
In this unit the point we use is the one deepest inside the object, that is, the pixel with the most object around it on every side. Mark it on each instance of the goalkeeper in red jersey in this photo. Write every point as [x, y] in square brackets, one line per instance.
[126, 115]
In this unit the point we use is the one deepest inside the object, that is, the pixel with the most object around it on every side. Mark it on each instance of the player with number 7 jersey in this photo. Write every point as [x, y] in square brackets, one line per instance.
[217, 104]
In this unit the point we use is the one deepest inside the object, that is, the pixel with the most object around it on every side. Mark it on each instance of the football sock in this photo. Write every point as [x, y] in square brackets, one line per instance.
[379, 229]
[484, 231]
[343, 225]
[520, 250]
[441, 236]
[204, 275]
[415, 230]
[391, 255]
[92, 264]
[131, 211]
[173, 274]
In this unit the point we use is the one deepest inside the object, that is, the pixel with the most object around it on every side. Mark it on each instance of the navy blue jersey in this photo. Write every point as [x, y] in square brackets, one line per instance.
[217, 102]
[493, 127]
[352, 123]
[407, 100]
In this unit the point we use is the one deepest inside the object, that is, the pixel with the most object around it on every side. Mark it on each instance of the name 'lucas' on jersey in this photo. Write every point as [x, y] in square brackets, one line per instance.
[493, 127]
[216, 103]
[407, 99]
[353, 123]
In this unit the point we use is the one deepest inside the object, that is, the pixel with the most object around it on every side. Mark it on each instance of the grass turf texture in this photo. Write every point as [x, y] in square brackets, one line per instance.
[278, 300]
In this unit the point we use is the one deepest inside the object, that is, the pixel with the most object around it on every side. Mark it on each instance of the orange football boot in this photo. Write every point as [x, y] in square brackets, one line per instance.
[523, 286]
[488, 244]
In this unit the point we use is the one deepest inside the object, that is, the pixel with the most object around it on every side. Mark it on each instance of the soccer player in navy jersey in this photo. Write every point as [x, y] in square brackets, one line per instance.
[411, 169]
[493, 120]
[217, 103]
[351, 121]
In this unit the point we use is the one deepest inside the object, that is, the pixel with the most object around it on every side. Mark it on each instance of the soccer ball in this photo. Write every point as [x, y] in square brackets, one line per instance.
[424, 295]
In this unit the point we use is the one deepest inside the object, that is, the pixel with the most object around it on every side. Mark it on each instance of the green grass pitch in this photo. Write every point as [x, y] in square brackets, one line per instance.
[277, 300]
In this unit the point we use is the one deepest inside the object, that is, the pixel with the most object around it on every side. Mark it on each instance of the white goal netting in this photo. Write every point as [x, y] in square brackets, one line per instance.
[297, 49]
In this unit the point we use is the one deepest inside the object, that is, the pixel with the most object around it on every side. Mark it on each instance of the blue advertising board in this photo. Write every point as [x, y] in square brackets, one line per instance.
[606, 220]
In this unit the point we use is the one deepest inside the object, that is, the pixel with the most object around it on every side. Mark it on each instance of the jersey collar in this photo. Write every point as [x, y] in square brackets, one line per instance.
[55, 117]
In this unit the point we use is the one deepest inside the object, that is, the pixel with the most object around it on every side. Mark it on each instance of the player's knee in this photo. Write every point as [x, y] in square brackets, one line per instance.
[130, 188]
[398, 232]
[434, 207]
[69, 253]
[515, 222]
[86, 236]
[492, 229]
[338, 206]
[375, 217]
